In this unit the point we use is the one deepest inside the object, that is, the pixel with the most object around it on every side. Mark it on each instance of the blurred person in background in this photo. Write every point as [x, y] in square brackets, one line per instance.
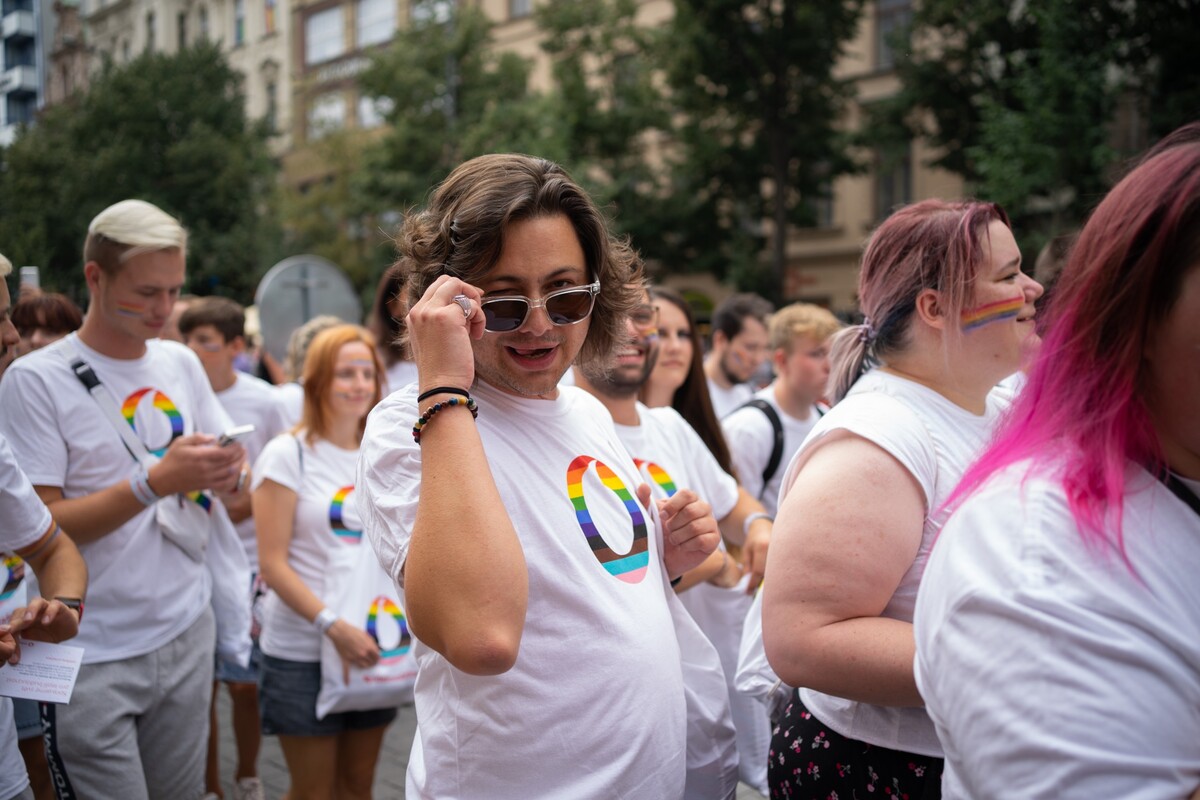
[388, 325]
[296, 478]
[948, 314]
[292, 391]
[739, 350]
[44, 317]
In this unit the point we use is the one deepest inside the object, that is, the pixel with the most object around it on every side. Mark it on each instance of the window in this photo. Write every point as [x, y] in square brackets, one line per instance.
[376, 21]
[372, 111]
[437, 11]
[150, 33]
[203, 15]
[125, 55]
[890, 16]
[239, 21]
[272, 116]
[519, 8]
[269, 16]
[327, 113]
[181, 29]
[324, 36]
[893, 181]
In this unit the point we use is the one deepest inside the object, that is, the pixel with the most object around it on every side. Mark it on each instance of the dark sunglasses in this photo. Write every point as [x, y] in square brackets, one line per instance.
[564, 307]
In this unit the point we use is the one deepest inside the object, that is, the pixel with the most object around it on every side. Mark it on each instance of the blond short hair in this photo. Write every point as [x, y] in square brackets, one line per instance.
[128, 229]
[5, 266]
[800, 319]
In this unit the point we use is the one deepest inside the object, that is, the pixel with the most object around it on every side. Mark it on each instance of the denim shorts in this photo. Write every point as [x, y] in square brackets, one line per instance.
[287, 702]
[227, 671]
[27, 717]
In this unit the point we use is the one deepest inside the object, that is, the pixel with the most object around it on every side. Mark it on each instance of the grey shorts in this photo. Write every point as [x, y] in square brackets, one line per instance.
[287, 702]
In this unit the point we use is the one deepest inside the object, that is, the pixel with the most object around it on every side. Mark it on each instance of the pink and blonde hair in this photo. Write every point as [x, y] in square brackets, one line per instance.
[933, 244]
[1083, 404]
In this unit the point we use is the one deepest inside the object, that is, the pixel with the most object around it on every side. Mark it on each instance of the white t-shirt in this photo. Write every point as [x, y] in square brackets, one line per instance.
[726, 400]
[670, 456]
[935, 440]
[401, 374]
[253, 401]
[751, 438]
[143, 591]
[292, 395]
[23, 520]
[1052, 667]
[594, 706]
[326, 517]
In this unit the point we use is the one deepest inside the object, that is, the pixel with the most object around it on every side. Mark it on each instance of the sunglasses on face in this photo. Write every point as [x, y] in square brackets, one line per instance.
[564, 307]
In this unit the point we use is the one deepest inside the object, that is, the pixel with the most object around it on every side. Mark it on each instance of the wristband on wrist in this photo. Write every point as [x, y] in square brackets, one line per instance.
[140, 483]
[423, 396]
[675, 581]
[755, 517]
[73, 603]
[324, 620]
[423, 420]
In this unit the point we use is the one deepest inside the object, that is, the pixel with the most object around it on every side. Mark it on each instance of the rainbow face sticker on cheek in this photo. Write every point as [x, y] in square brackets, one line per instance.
[658, 475]
[130, 309]
[389, 608]
[163, 403]
[629, 567]
[999, 311]
[337, 517]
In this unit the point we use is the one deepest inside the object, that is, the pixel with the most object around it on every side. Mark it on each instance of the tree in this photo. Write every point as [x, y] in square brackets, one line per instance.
[612, 114]
[168, 129]
[447, 96]
[762, 137]
[1020, 98]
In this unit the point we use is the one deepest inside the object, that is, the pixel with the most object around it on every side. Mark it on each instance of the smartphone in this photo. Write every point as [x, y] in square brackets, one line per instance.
[30, 277]
[233, 434]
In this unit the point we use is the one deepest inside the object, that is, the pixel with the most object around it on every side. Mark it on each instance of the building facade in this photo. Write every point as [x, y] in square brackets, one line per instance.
[26, 26]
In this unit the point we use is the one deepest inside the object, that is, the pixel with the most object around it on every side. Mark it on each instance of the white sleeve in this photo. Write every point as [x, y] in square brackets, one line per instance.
[29, 423]
[1038, 693]
[751, 438]
[388, 483]
[211, 416]
[23, 516]
[280, 462]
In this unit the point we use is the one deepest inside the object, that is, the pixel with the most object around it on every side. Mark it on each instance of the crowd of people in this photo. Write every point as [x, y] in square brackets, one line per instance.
[957, 540]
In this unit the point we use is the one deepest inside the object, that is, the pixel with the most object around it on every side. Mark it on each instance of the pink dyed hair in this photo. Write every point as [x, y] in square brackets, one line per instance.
[933, 244]
[1084, 398]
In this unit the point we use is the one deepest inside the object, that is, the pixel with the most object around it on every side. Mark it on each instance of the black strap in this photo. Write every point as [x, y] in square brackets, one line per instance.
[777, 447]
[85, 374]
[1182, 491]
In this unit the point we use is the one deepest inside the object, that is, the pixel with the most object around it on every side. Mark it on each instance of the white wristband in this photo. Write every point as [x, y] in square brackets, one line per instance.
[750, 520]
[324, 620]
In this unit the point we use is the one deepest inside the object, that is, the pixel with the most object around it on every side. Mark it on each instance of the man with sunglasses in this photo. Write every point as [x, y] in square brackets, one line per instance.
[536, 570]
[671, 456]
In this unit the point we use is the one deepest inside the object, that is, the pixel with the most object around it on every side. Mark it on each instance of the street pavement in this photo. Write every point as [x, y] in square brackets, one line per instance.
[389, 774]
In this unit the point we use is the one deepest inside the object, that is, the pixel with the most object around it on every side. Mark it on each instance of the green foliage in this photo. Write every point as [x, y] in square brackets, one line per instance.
[611, 111]
[168, 129]
[449, 96]
[762, 137]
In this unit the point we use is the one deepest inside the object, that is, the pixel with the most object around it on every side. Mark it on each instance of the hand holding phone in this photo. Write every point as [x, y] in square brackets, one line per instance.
[234, 434]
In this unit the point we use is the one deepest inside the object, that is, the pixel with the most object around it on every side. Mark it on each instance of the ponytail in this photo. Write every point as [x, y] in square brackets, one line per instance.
[849, 358]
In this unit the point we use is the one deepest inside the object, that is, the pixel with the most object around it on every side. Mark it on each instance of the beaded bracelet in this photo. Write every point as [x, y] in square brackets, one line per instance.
[423, 420]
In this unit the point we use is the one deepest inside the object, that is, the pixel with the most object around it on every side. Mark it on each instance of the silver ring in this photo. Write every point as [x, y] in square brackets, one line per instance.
[464, 303]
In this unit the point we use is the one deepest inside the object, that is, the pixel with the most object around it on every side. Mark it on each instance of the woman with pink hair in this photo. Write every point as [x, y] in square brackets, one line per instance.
[948, 315]
[1058, 626]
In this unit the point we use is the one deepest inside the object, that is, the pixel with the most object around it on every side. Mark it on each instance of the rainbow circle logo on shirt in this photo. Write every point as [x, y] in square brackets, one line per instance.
[14, 569]
[386, 605]
[629, 567]
[336, 520]
[163, 403]
[657, 474]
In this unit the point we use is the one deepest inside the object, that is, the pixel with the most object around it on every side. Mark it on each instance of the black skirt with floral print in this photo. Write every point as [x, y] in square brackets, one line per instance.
[810, 760]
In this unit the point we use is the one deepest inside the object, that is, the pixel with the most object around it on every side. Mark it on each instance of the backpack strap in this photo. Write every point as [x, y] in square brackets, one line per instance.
[777, 447]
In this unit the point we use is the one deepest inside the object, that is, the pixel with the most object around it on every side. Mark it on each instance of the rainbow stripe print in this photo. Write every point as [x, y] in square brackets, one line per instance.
[130, 309]
[659, 475]
[389, 607]
[162, 403]
[992, 312]
[629, 567]
[15, 573]
[336, 520]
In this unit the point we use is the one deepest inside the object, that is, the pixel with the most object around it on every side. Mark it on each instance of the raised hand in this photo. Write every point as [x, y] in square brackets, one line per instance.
[440, 330]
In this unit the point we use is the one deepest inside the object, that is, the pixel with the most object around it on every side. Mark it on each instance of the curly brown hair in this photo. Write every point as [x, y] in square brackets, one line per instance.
[461, 233]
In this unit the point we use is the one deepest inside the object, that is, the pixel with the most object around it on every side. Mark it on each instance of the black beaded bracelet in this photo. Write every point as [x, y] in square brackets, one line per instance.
[423, 396]
[423, 420]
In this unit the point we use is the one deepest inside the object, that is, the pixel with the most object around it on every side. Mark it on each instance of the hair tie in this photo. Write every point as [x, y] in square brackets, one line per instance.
[866, 331]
